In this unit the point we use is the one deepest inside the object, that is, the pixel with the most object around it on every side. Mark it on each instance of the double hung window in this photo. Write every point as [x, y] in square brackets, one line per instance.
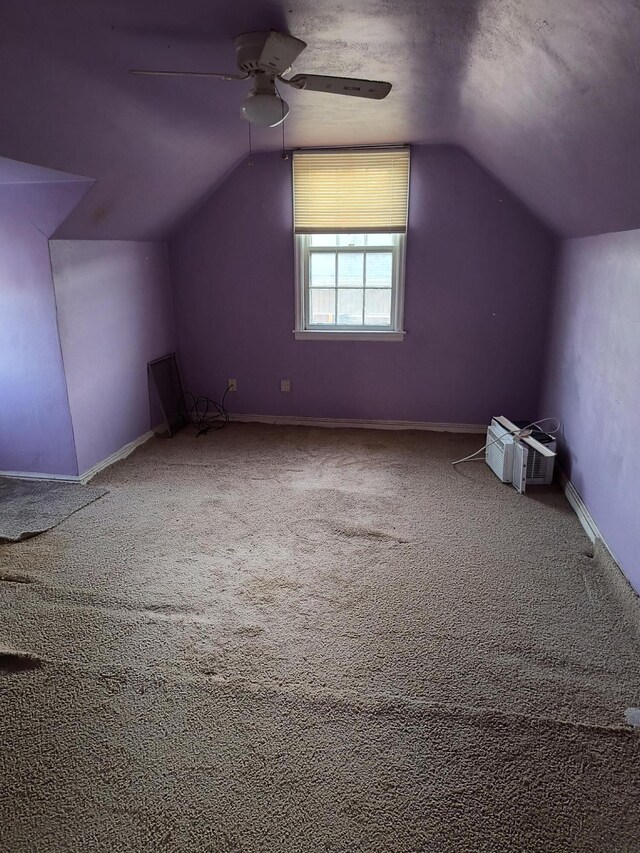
[350, 217]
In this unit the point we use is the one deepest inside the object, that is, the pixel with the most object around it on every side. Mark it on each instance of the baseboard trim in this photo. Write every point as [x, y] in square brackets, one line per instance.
[580, 508]
[359, 423]
[90, 473]
[33, 475]
[601, 546]
[115, 457]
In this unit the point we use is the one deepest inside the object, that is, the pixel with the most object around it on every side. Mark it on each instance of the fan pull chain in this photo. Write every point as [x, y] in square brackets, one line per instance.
[250, 161]
[285, 155]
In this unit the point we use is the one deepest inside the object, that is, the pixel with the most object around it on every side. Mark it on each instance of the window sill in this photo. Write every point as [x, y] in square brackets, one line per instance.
[346, 335]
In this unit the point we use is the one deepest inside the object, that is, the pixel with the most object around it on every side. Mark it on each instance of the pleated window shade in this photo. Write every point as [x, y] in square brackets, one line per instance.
[351, 191]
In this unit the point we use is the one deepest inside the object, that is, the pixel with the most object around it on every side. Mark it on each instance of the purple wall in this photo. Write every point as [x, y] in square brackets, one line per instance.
[35, 425]
[115, 314]
[593, 383]
[478, 282]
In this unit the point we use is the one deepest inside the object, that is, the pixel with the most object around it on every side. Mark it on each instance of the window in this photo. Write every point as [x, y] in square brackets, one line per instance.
[350, 215]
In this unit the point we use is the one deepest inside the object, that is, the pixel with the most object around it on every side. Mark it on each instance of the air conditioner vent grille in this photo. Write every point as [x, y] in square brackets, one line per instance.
[499, 453]
[535, 465]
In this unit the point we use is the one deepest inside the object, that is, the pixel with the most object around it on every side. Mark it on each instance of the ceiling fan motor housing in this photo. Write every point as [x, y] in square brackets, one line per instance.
[249, 47]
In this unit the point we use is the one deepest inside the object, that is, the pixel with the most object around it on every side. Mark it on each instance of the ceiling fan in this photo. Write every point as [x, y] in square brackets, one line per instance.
[265, 58]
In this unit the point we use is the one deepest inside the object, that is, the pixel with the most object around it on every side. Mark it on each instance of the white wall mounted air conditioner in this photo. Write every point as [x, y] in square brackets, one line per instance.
[519, 459]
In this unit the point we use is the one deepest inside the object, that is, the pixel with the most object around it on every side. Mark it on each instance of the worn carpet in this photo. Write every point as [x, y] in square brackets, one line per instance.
[29, 507]
[293, 639]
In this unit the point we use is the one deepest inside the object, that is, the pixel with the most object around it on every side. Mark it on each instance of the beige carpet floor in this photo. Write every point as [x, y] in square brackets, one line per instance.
[293, 639]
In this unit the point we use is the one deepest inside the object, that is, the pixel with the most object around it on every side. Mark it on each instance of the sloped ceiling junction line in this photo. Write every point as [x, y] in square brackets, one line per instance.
[545, 94]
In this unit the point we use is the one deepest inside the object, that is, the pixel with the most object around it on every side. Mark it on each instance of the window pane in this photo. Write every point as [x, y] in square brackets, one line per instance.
[323, 239]
[322, 269]
[350, 269]
[351, 239]
[322, 306]
[379, 269]
[380, 239]
[350, 307]
[377, 308]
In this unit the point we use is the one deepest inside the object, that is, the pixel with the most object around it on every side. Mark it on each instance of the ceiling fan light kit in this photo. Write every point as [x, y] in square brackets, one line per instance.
[263, 105]
[265, 58]
[264, 109]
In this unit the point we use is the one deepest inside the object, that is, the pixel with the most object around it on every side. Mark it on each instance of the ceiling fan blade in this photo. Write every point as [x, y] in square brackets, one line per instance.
[188, 74]
[280, 51]
[375, 89]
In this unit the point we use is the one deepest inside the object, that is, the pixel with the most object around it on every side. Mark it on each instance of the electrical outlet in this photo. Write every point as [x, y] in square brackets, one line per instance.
[285, 386]
[232, 385]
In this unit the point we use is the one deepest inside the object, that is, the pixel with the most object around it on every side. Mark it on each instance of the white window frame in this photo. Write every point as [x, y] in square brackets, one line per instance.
[305, 332]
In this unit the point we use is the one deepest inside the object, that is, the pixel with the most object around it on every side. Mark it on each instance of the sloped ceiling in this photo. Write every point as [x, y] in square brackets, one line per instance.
[546, 94]
[13, 172]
